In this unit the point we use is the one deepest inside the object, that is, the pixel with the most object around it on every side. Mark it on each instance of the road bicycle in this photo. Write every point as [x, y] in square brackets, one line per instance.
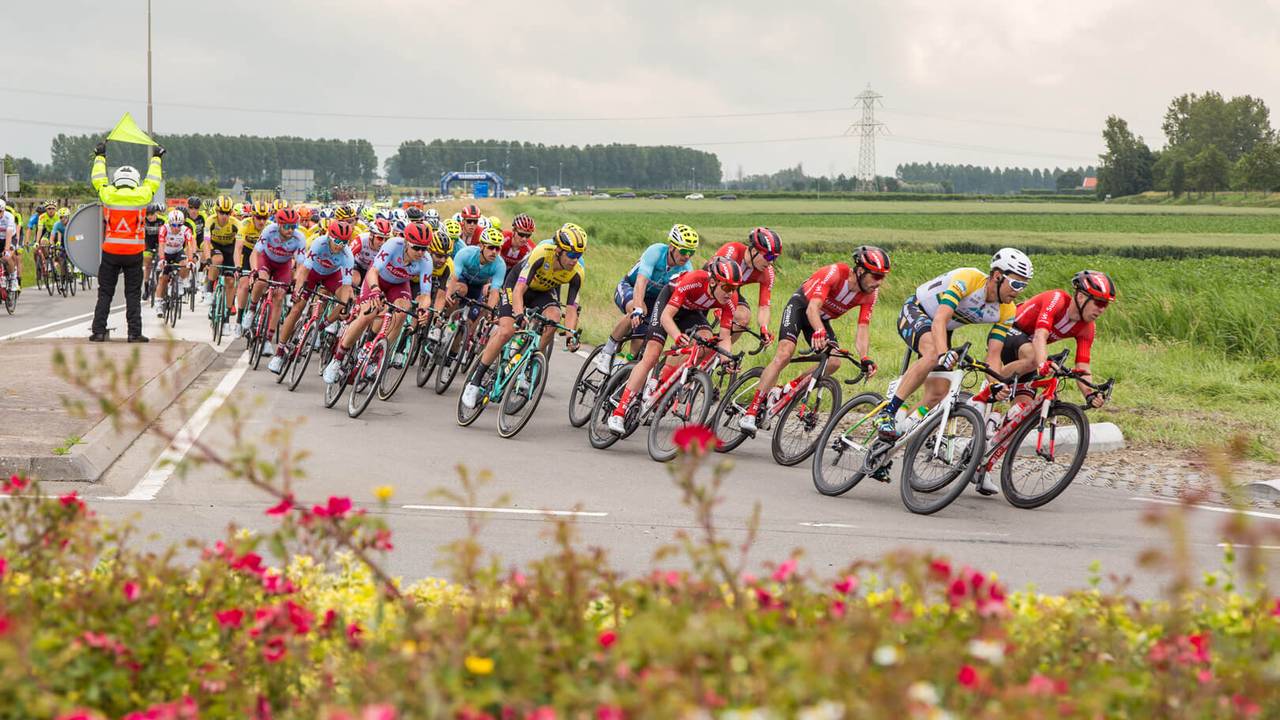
[219, 310]
[257, 334]
[941, 450]
[173, 291]
[466, 333]
[801, 407]
[673, 398]
[312, 336]
[408, 346]
[587, 384]
[516, 381]
[429, 354]
[66, 278]
[10, 298]
[150, 282]
[1032, 474]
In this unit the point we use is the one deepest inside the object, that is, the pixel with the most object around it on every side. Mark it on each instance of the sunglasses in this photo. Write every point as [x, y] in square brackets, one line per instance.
[685, 252]
[770, 257]
[1018, 285]
[1102, 304]
[526, 236]
[572, 255]
[224, 212]
[470, 222]
[419, 248]
[288, 226]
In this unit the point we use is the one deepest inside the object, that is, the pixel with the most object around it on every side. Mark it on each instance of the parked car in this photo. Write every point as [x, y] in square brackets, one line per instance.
[729, 197]
[628, 195]
[601, 196]
[693, 196]
[658, 196]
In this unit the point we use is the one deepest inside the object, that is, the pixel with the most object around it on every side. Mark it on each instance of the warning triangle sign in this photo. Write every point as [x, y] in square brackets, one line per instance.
[123, 226]
[127, 131]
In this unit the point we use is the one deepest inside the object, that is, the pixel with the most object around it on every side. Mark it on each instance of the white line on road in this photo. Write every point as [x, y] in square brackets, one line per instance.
[151, 483]
[511, 511]
[1260, 547]
[825, 524]
[55, 323]
[1211, 508]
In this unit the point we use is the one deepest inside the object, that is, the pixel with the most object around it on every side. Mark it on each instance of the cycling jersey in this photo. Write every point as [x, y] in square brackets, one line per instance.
[311, 233]
[250, 232]
[42, 224]
[833, 285]
[364, 251]
[468, 268]
[279, 248]
[151, 232]
[224, 234]
[197, 223]
[964, 291]
[653, 266]
[692, 291]
[174, 239]
[59, 232]
[394, 268]
[737, 252]
[514, 249]
[8, 230]
[1048, 311]
[322, 260]
[540, 272]
[439, 274]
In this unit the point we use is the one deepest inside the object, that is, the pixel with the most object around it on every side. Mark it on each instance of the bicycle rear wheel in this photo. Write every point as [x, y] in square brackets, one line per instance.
[841, 450]
[409, 344]
[521, 396]
[731, 409]
[217, 313]
[453, 351]
[427, 357]
[302, 355]
[368, 376]
[940, 459]
[586, 386]
[683, 406]
[466, 415]
[1036, 478]
[802, 420]
[598, 432]
[10, 301]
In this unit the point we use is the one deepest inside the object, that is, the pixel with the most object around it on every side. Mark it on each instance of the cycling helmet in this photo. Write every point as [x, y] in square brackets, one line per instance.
[766, 241]
[341, 230]
[49, 205]
[399, 214]
[417, 235]
[155, 207]
[126, 176]
[261, 209]
[344, 212]
[194, 202]
[1012, 262]
[571, 238]
[368, 214]
[495, 222]
[432, 213]
[871, 259]
[380, 228]
[3, 205]
[683, 237]
[441, 244]
[279, 204]
[397, 227]
[470, 212]
[224, 204]
[453, 229]
[305, 213]
[63, 212]
[434, 223]
[725, 271]
[522, 223]
[286, 216]
[1096, 284]
[492, 237]
[413, 213]
[177, 218]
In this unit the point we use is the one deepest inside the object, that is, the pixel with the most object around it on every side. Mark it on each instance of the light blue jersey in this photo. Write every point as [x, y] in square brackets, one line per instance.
[653, 265]
[468, 268]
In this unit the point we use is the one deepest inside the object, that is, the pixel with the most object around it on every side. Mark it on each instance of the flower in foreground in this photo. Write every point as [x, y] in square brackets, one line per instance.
[283, 507]
[785, 570]
[695, 438]
[72, 500]
[478, 665]
[337, 507]
[968, 676]
[847, 586]
[886, 655]
[607, 638]
[274, 649]
[383, 492]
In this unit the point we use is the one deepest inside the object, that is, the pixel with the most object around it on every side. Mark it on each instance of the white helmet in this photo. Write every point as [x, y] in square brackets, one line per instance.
[126, 176]
[3, 206]
[1012, 262]
[432, 213]
[399, 215]
[177, 217]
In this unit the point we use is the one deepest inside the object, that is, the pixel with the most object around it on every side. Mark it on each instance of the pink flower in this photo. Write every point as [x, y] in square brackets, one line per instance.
[766, 600]
[785, 571]
[72, 500]
[968, 676]
[378, 712]
[672, 578]
[299, 617]
[1205, 676]
[1042, 685]
[847, 586]
[131, 591]
[14, 483]
[230, 618]
[975, 580]
[1275, 611]
[607, 638]
[5, 625]
[4, 566]
[353, 634]
[1200, 641]
[274, 649]
[283, 507]
[1245, 705]
[153, 621]
[695, 438]
[80, 714]
[958, 591]
[544, 712]
[609, 712]
[941, 569]
[838, 609]
[337, 507]
[249, 561]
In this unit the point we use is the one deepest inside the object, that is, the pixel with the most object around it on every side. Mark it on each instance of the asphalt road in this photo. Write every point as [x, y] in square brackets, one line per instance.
[627, 503]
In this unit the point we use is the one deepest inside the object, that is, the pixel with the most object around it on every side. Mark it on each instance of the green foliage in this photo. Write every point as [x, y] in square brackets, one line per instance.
[1127, 165]
[975, 179]
[1194, 122]
[187, 186]
[1258, 169]
[1208, 171]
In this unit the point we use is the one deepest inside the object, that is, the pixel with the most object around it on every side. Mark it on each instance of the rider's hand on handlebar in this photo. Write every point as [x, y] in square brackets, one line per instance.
[819, 339]
[681, 340]
[637, 316]
[766, 336]
[1096, 399]
[869, 367]
[1046, 368]
[572, 343]
[949, 360]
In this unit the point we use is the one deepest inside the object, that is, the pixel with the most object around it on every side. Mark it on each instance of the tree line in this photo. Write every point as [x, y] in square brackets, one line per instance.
[993, 180]
[1211, 143]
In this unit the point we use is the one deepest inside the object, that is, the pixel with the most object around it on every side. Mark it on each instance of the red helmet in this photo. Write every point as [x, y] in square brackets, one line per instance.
[417, 235]
[1096, 284]
[725, 270]
[380, 227]
[522, 223]
[305, 213]
[872, 259]
[471, 212]
[765, 240]
[286, 216]
[341, 230]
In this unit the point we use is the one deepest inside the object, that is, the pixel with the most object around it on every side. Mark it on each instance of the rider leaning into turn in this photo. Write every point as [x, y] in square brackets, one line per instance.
[328, 264]
[476, 269]
[273, 259]
[178, 244]
[756, 257]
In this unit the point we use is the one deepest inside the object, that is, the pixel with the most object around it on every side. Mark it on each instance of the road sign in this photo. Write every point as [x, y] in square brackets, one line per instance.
[84, 238]
[12, 184]
[480, 189]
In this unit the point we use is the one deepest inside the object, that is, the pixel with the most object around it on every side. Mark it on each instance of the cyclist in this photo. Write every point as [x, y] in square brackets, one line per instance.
[441, 252]
[279, 204]
[964, 296]
[177, 243]
[220, 242]
[681, 309]
[639, 290]
[475, 269]
[41, 227]
[453, 229]
[827, 295]
[535, 285]
[469, 217]
[328, 263]
[495, 222]
[307, 223]
[1056, 315]
[250, 230]
[367, 246]
[9, 233]
[756, 258]
[151, 225]
[400, 261]
[59, 234]
[272, 259]
[518, 241]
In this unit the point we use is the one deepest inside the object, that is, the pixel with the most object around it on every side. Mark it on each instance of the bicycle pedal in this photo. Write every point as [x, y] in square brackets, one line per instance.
[882, 475]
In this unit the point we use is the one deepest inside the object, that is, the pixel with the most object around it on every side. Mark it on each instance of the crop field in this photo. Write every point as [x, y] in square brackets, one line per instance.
[1192, 342]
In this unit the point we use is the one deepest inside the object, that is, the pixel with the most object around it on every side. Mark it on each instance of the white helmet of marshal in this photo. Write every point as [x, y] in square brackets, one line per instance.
[126, 176]
[1012, 262]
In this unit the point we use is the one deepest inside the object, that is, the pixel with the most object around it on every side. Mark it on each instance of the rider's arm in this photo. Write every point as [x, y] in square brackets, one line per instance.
[862, 339]
[726, 330]
[255, 259]
[939, 329]
[668, 320]
[637, 296]
[1040, 346]
[763, 299]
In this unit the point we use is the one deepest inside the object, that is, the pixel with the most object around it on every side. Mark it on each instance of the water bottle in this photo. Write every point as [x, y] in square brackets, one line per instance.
[913, 419]
[774, 396]
[993, 423]
[650, 387]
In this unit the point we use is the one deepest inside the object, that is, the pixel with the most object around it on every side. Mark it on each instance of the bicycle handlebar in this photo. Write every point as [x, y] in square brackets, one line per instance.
[760, 341]
[711, 344]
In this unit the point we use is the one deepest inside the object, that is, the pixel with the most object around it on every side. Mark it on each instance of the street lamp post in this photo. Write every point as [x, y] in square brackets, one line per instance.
[693, 184]
[478, 163]
[537, 177]
[560, 180]
[150, 128]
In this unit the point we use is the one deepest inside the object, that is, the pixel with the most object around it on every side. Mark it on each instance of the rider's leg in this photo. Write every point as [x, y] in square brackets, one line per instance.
[652, 350]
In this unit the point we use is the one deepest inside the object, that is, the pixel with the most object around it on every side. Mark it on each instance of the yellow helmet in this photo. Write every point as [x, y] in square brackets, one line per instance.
[224, 204]
[495, 222]
[453, 228]
[492, 237]
[344, 212]
[63, 212]
[261, 209]
[279, 204]
[441, 244]
[571, 238]
[683, 237]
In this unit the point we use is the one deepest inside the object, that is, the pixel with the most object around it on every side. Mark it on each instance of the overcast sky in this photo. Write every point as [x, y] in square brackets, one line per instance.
[992, 82]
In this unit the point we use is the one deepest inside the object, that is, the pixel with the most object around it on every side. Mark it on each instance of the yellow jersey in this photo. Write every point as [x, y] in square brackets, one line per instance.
[540, 272]
[964, 291]
[222, 235]
[250, 233]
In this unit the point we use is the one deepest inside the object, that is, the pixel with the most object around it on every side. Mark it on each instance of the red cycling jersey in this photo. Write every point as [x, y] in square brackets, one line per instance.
[513, 251]
[737, 252]
[1048, 311]
[831, 285]
[363, 252]
[692, 291]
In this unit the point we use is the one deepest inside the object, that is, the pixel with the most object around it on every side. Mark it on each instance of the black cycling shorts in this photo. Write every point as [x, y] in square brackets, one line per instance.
[535, 300]
[795, 321]
[687, 320]
[914, 323]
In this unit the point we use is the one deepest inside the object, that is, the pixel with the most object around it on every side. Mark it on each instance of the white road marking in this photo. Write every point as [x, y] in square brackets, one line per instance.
[510, 511]
[161, 470]
[1211, 508]
[1260, 547]
[826, 524]
[55, 323]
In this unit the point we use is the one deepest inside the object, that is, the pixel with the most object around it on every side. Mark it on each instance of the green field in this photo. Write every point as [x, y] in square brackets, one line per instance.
[1192, 342]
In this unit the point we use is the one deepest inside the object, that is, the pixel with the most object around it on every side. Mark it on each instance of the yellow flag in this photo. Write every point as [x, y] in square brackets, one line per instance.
[127, 131]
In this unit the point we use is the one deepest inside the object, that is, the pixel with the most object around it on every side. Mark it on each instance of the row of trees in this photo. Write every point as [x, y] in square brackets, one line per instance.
[993, 181]
[638, 166]
[1212, 144]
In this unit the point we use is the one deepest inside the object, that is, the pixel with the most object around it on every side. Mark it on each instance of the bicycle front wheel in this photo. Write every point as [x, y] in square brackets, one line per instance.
[466, 415]
[684, 406]
[733, 407]
[1034, 475]
[368, 377]
[452, 348]
[586, 386]
[427, 357]
[521, 396]
[941, 459]
[841, 450]
[391, 379]
[802, 420]
[302, 355]
[598, 432]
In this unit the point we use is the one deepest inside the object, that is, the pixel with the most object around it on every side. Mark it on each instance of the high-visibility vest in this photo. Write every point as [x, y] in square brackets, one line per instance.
[123, 209]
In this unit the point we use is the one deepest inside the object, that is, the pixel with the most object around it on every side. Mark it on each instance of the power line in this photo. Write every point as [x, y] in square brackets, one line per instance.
[983, 148]
[995, 123]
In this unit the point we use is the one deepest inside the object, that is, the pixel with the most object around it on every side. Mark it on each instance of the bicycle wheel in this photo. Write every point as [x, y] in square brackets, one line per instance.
[841, 450]
[731, 409]
[1034, 479]
[683, 406]
[598, 432]
[368, 376]
[802, 420]
[427, 357]
[217, 310]
[586, 386]
[74, 281]
[521, 396]
[10, 301]
[409, 344]
[49, 279]
[940, 460]
[467, 416]
[302, 355]
[453, 348]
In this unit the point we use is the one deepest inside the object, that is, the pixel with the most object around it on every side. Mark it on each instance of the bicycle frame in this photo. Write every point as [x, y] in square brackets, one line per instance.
[695, 359]
[514, 355]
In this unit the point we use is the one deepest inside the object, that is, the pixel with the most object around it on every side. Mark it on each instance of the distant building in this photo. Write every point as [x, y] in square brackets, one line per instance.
[1090, 183]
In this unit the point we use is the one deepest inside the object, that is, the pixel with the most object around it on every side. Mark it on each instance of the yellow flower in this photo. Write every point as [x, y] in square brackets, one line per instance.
[479, 665]
[383, 492]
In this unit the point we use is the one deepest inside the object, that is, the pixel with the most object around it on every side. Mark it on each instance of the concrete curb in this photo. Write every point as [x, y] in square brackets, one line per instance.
[104, 443]
[1103, 437]
[1264, 489]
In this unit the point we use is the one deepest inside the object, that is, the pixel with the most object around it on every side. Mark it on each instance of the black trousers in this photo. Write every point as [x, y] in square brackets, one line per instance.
[109, 272]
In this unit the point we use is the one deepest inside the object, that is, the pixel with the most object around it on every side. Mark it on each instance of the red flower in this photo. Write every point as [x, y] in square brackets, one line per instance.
[695, 438]
[249, 561]
[544, 712]
[230, 618]
[299, 617]
[274, 649]
[4, 566]
[607, 638]
[967, 676]
[130, 591]
[354, 632]
[1041, 685]
[785, 570]
[1245, 705]
[1200, 641]
[285, 505]
[838, 609]
[80, 714]
[5, 624]
[72, 500]
[382, 540]
[378, 712]
[1205, 676]
[1275, 611]
[975, 580]
[337, 507]
[958, 591]
[847, 586]
[609, 712]
[14, 483]
[330, 617]
[940, 568]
